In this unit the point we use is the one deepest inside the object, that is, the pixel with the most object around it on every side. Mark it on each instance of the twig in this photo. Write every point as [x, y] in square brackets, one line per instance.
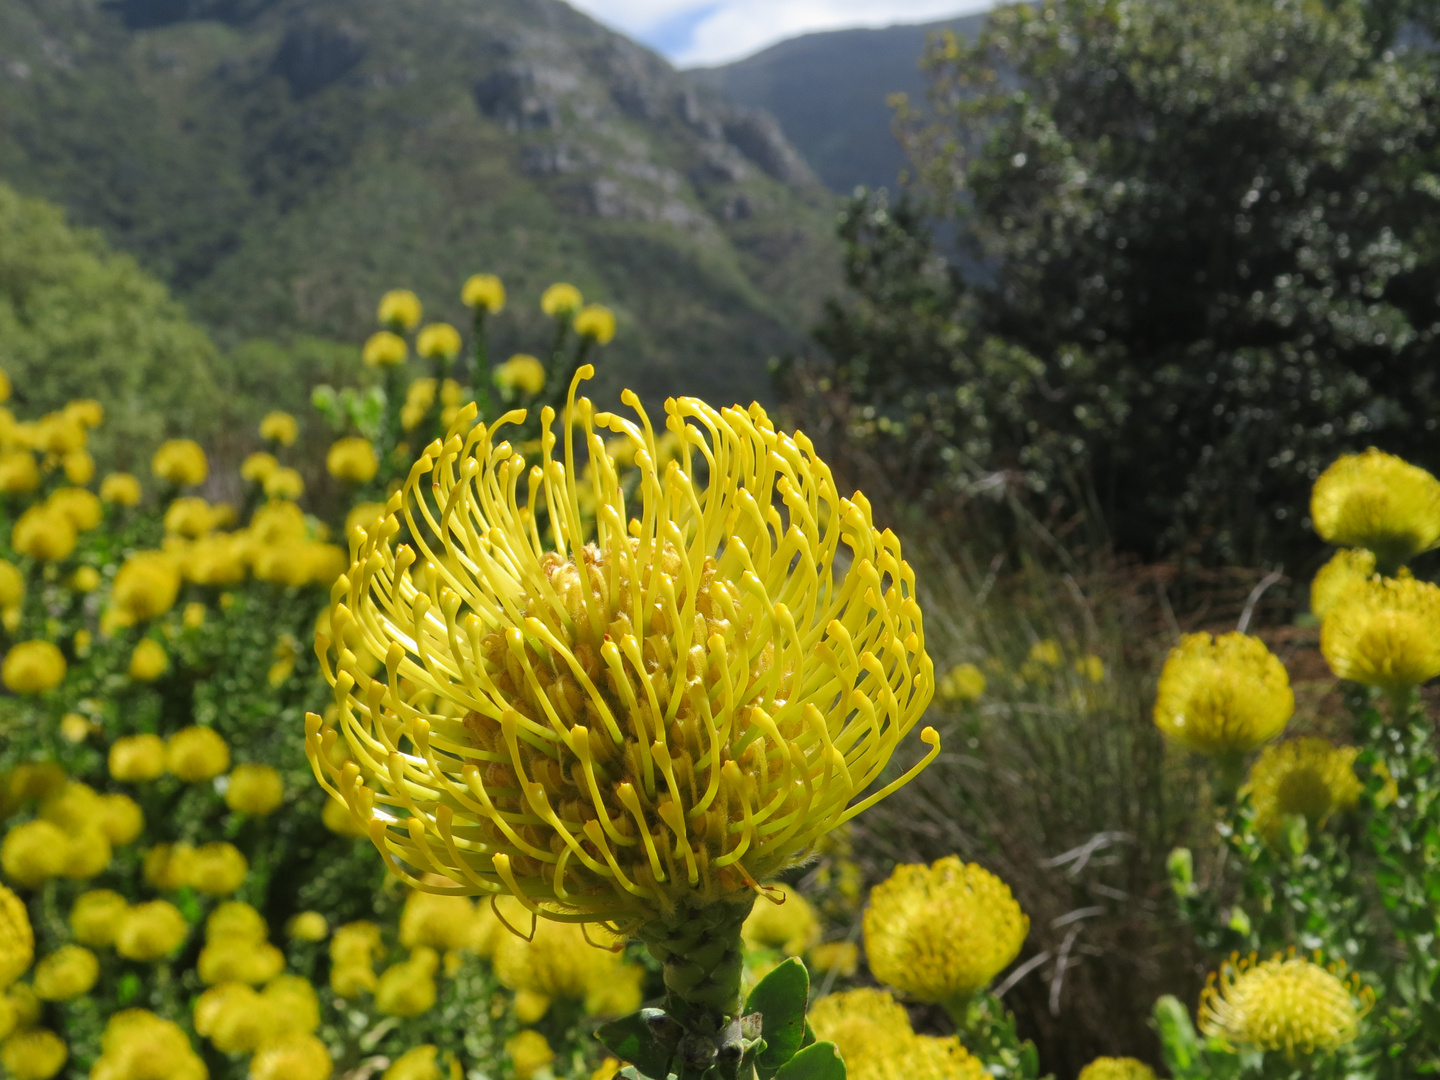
[1269, 579]
[1062, 961]
[1020, 972]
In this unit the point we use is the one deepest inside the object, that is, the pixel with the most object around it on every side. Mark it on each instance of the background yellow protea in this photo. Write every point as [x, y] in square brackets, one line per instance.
[940, 933]
[1380, 502]
[1384, 633]
[1112, 1068]
[874, 1036]
[1310, 777]
[1224, 695]
[1285, 1003]
[1347, 567]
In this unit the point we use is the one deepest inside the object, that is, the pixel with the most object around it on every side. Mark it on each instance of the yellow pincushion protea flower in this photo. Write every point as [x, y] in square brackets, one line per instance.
[940, 933]
[783, 920]
[279, 427]
[1380, 502]
[1112, 1068]
[646, 714]
[33, 1054]
[384, 350]
[873, 1034]
[558, 961]
[484, 292]
[138, 1043]
[1347, 567]
[596, 323]
[561, 300]
[146, 585]
[180, 462]
[32, 667]
[1385, 633]
[438, 341]
[521, 372]
[963, 682]
[68, 972]
[353, 460]
[1285, 1003]
[120, 488]
[399, 310]
[17, 939]
[1310, 777]
[1223, 695]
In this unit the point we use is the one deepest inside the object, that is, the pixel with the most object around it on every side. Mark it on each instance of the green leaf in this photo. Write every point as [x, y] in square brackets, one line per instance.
[646, 1039]
[780, 999]
[818, 1061]
[809, 1039]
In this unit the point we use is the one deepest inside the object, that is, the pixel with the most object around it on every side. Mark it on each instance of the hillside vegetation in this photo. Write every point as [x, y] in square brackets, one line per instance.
[280, 163]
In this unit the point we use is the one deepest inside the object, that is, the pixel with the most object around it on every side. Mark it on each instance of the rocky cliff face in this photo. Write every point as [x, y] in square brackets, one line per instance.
[282, 161]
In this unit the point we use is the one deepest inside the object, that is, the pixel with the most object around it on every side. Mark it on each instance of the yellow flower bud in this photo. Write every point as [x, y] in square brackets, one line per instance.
[254, 789]
[284, 484]
[167, 866]
[137, 1043]
[34, 852]
[258, 467]
[233, 1017]
[35, 1054]
[80, 507]
[218, 869]
[32, 667]
[1224, 695]
[351, 980]
[941, 933]
[308, 926]
[352, 460]
[596, 323]
[417, 1063]
[136, 758]
[86, 579]
[87, 412]
[17, 939]
[408, 988]
[355, 944]
[95, 917]
[439, 341]
[294, 1004]
[12, 584]
[146, 585]
[291, 1057]
[149, 661]
[560, 301]
[197, 753]
[150, 931]
[66, 973]
[18, 472]
[279, 427]
[1309, 776]
[436, 921]
[873, 1034]
[180, 462]
[618, 994]
[79, 467]
[485, 292]
[238, 960]
[528, 1053]
[120, 818]
[235, 919]
[58, 434]
[521, 372]
[87, 853]
[5, 389]
[188, 516]
[193, 617]
[44, 533]
[384, 350]
[399, 310]
[120, 488]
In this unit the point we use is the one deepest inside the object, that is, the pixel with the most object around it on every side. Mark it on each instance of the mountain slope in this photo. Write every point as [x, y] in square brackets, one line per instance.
[281, 162]
[828, 91]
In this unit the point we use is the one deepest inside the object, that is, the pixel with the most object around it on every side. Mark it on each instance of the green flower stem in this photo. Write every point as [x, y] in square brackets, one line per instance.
[1228, 776]
[480, 377]
[703, 960]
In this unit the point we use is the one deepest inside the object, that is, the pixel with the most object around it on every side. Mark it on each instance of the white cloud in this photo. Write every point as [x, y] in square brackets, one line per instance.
[692, 32]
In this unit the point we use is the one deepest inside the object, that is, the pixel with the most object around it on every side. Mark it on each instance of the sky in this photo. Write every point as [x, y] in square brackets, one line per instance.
[698, 32]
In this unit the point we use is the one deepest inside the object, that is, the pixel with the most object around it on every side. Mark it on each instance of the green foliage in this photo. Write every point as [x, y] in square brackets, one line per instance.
[1194, 257]
[77, 320]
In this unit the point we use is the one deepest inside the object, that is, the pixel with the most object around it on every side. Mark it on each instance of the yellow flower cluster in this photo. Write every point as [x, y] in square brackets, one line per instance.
[874, 1036]
[1285, 1003]
[137, 1045]
[1379, 502]
[1309, 777]
[1384, 632]
[940, 933]
[963, 682]
[1112, 1068]
[73, 835]
[646, 714]
[57, 441]
[1223, 695]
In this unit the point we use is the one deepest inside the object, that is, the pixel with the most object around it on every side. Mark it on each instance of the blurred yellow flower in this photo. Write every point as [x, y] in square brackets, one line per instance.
[781, 919]
[17, 939]
[193, 617]
[1223, 695]
[95, 917]
[560, 301]
[234, 1017]
[356, 944]
[279, 427]
[384, 350]
[254, 789]
[86, 579]
[68, 972]
[284, 483]
[842, 958]
[32, 667]
[79, 466]
[365, 515]
[408, 988]
[1385, 633]
[137, 1044]
[399, 310]
[417, 1063]
[180, 462]
[217, 869]
[695, 813]
[120, 818]
[146, 585]
[352, 460]
[438, 341]
[308, 926]
[150, 931]
[483, 291]
[197, 753]
[230, 959]
[81, 507]
[33, 1054]
[1091, 668]
[521, 372]
[1284, 1003]
[1112, 1068]
[34, 852]
[87, 853]
[137, 758]
[292, 1057]
[963, 682]
[5, 389]
[1347, 567]
[1309, 776]
[167, 866]
[528, 1053]
[18, 472]
[940, 933]
[188, 516]
[149, 661]
[44, 533]
[596, 323]
[558, 962]
[87, 412]
[58, 434]
[293, 1003]
[336, 817]
[120, 488]
[437, 921]
[236, 919]
[873, 1034]
[257, 467]
[1380, 502]
[12, 585]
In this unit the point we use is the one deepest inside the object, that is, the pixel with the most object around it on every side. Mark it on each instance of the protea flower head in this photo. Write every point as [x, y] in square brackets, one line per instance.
[627, 717]
[1286, 1003]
